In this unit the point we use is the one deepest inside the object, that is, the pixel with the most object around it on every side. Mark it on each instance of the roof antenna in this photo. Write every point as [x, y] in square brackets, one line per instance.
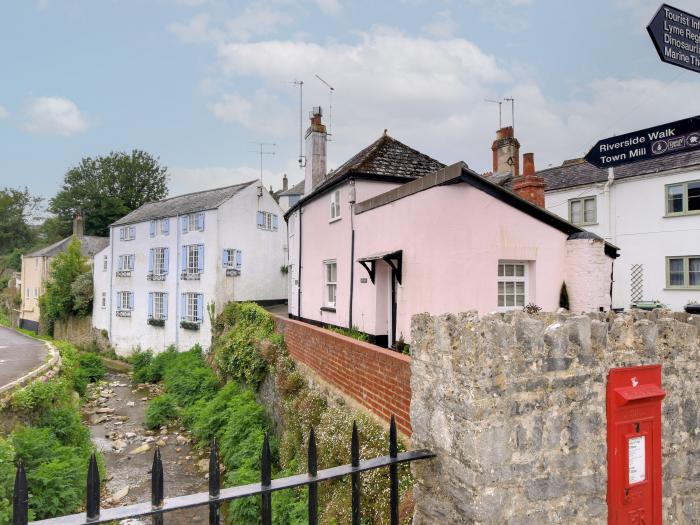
[331, 89]
[261, 151]
[500, 103]
[512, 111]
[302, 159]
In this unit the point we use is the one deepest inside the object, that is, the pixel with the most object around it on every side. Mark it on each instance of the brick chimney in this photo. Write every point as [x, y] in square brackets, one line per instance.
[315, 151]
[530, 186]
[285, 183]
[78, 225]
[506, 152]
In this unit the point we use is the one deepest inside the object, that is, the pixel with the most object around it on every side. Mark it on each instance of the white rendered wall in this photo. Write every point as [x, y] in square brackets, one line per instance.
[100, 283]
[588, 274]
[635, 221]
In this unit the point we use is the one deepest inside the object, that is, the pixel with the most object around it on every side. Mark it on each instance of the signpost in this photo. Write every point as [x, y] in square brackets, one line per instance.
[676, 36]
[645, 144]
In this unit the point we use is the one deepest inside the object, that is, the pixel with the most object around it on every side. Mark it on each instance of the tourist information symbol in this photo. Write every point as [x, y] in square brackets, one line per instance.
[676, 36]
[645, 144]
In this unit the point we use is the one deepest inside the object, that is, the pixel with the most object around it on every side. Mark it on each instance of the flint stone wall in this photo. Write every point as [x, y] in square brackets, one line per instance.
[514, 407]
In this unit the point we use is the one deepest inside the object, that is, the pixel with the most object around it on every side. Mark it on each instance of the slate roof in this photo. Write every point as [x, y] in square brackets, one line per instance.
[182, 204]
[89, 246]
[385, 158]
[297, 189]
[578, 172]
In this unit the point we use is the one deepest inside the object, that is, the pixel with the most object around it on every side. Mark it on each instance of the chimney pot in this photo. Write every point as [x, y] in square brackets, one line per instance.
[528, 164]
[285, 183]
[78, 225]
[315, 152]
[506, 152]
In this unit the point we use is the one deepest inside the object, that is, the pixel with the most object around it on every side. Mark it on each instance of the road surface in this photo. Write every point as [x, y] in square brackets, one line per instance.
[19, 355]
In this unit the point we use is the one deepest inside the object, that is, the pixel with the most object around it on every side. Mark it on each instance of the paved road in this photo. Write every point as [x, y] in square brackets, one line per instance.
[19, 355]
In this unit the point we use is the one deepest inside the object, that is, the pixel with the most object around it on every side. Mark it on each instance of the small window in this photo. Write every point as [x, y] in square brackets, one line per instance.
[152, 228]
[104, 263]
[158, 305]
[125, 301]
[683, 198]
[512, 284]
[126, 262]
[335, 205]
[193, 259]
[330, 273]
[267, 221]
[104, 300]
[582, 211]
[683, 272]
[127, 233]
[158, 261]
[232, 258]
[192, 307]
[165, 226]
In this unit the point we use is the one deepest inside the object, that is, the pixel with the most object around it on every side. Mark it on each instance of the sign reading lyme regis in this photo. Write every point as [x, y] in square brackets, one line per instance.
[682, 135]
[676, 36]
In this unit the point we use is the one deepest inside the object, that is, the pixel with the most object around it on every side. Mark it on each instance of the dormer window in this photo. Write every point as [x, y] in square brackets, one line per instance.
[335, 205]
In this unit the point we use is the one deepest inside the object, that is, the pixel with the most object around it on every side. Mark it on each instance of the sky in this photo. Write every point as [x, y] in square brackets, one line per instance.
[198, 83]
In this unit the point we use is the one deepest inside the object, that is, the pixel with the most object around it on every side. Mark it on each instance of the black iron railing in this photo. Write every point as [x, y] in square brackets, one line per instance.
[216, 495]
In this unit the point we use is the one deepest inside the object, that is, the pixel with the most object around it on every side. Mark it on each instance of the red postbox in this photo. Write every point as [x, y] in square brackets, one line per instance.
[634, 445]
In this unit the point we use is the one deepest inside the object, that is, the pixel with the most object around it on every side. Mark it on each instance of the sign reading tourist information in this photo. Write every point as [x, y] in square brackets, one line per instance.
[676, 36]
[645, 144]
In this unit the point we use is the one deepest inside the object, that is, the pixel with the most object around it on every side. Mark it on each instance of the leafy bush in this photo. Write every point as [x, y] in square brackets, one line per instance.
[160, 411]
[37, 398]
[92, 367]
[142, 371]
[188, 378]
[65, 424]
[82, 292]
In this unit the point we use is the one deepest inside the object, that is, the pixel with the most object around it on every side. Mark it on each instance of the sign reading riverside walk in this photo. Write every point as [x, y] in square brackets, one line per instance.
[645, 144]
[676, 36]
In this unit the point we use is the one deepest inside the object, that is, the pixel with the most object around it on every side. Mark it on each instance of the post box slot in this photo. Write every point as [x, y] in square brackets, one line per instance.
[627, 394]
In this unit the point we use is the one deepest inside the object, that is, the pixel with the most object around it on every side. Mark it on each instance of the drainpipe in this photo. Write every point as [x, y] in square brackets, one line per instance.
[299, 270]
[111, 277]
[177, 283]
[352, 247]
[607, 190]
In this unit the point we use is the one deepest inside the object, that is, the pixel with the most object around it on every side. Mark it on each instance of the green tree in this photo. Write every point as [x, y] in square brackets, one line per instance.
[60, 299]
[17, 209]
[106, 188]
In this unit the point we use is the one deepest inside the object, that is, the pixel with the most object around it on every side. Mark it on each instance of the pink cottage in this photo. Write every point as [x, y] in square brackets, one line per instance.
[393, 232]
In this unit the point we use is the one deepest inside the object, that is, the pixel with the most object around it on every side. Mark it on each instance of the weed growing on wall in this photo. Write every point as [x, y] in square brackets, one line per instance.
[50, 439]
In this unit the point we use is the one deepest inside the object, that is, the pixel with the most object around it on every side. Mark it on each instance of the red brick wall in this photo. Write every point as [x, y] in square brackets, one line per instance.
[378, 379]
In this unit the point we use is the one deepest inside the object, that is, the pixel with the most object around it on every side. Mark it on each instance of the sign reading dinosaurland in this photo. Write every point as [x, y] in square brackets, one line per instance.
[676, 36]
[645, 144]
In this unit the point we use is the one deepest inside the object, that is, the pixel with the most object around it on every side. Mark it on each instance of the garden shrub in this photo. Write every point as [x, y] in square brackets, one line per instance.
[142, 371]
[160, 411]
[65, 424]
[188, 378]
[36, 398]
[91, 367]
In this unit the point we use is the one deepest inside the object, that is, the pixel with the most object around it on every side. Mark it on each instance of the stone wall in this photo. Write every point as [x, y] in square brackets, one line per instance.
[514, 407]
[80, 332]
[376, 379]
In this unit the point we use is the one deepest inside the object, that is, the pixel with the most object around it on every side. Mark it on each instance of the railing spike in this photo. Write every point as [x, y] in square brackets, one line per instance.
[355, 476]
[265, 480]
[214, 483]
[312, 464]
[20, 497]
[92, 505]
[393, 473]
[157, 493]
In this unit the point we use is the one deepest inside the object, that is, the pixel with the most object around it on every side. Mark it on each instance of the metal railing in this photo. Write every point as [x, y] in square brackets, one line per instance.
[216, 495]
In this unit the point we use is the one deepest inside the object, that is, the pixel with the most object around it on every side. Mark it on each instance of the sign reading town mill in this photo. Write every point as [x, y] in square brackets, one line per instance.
[676, 36]
[645, 144]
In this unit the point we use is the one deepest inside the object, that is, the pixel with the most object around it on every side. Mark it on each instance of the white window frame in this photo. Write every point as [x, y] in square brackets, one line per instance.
[192, 259]
[330, 287]
[190, 313]
[158, 306]
[268, 221]
[123, 302]
[127, 262]
[159, 261]
[514, 279]
[127, 233]
[161, 227]
[335, 206]
[582, 202]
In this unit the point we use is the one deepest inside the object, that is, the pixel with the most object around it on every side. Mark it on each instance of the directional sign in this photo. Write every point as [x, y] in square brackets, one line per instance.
[676, 36]
[645, 144]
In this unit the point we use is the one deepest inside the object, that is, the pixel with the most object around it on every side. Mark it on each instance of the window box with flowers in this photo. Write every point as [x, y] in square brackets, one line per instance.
[156, 322]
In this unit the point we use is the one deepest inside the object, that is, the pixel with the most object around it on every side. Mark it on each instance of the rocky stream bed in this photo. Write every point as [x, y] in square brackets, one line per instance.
[115, 413]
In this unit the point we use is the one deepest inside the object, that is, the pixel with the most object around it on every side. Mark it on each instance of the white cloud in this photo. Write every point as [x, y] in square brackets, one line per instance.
[54, 116]
[442, 25]
[330, 7]
[4, 113]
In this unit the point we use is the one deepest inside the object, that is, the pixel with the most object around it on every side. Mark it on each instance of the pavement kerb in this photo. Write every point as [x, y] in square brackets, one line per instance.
[46, 369]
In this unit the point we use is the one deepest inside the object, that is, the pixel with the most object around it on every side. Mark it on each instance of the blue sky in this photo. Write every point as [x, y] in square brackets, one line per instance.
[195, 82]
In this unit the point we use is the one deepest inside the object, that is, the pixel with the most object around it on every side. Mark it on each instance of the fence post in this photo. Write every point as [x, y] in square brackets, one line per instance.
[214, 483]
[157, 486]
[355, 476]
[313, 472]
[92, 507]
[393, 473]
[20, 498]
[265, 480]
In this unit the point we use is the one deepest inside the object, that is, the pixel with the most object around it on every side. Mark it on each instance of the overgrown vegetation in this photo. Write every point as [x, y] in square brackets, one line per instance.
[50, 439]
[353, 332]
[248, 352]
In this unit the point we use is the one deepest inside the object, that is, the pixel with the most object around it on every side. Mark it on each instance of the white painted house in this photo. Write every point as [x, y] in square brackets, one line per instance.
[650, 210]
[171, 264]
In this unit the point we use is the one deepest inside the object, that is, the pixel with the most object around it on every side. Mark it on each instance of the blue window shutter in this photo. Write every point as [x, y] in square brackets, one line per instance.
[150, 304]
[153, 228]
[183, 252]
[200, 221]
[239, 259]
[150, 260]
[225, 258]
[260, 219]
[130, 300]
[200, 306]
[274, 222]
[166, 259]
[119, 262]
[183, 223]
[166, 226]
[121, 234]
[165, 306]
[183, 306]
[200, 258]
[119, 305]
[132, 232]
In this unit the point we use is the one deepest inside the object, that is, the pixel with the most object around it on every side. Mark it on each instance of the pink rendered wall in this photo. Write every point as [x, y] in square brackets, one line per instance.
[452, 238]
[323, 240]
